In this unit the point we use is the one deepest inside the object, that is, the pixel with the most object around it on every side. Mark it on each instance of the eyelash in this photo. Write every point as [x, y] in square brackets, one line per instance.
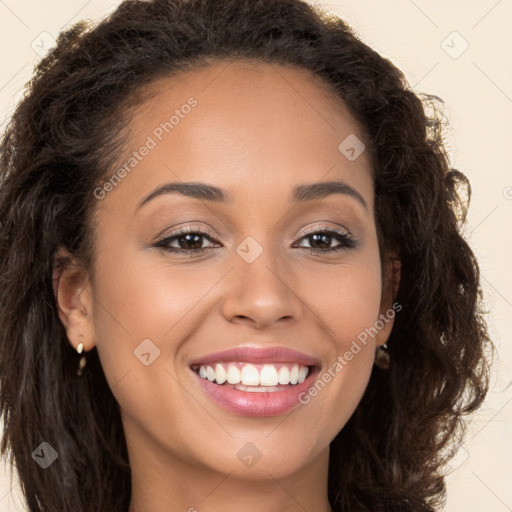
[347, 242]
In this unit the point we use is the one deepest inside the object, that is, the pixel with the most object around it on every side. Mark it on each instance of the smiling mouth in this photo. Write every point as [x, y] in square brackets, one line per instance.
[255, 389]
[250, 377]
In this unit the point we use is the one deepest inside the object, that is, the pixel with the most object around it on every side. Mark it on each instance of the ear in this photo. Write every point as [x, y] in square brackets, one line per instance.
[388, 307]
[73, 295]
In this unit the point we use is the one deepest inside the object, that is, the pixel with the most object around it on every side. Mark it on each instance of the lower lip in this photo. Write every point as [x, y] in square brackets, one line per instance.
[262, 403]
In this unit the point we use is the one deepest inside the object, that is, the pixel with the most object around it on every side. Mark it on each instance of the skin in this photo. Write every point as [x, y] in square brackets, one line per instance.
[257, 131]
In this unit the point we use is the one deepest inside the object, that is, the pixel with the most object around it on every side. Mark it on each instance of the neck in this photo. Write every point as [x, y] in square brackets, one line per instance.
[161, 483]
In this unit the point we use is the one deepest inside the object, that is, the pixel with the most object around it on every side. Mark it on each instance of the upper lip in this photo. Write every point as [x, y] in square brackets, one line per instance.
[258, 355]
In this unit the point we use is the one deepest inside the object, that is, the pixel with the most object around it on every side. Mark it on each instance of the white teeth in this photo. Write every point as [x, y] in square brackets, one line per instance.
[250, 375]
[267, 377]
[257, 389]
[210, 373]
[220, 374]
[284, 375]
[233, 375]
[303, 372]
[294, 374]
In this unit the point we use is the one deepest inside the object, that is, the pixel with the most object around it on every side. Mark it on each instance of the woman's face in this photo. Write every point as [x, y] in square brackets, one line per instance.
[257, 132]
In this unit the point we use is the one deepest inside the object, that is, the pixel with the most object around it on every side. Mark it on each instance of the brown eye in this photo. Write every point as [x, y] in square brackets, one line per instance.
[185, 240]
[320, 240]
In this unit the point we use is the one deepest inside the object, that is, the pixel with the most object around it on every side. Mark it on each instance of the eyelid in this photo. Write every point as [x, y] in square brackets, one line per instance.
[316, 229]
[186, 229]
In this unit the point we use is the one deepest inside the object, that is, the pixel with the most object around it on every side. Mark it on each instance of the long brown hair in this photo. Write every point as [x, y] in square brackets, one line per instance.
[64, 137]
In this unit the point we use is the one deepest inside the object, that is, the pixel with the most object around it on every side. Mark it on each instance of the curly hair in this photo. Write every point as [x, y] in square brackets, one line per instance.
[64, 137]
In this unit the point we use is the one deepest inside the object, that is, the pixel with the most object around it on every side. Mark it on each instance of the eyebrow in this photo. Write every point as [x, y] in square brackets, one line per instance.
[300, 193]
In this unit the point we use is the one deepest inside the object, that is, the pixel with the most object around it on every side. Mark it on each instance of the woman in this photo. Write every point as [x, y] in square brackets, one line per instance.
[232, 274]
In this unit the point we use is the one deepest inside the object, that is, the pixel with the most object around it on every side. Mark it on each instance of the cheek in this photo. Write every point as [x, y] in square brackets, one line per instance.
[350, 301]
[137, 302]
[142, 314]
[347, 305]
[347, 299]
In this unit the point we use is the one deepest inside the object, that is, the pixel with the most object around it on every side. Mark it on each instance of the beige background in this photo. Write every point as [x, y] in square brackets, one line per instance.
[476, 86]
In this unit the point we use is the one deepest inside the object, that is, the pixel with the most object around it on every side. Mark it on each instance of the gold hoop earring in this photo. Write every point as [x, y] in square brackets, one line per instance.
[83, 361]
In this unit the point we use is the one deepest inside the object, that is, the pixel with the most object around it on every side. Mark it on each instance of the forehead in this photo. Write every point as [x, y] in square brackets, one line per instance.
[233, 89]
[263, 125]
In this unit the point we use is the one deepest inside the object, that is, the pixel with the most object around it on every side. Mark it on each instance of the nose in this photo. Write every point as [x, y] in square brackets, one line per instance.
[262, 293]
